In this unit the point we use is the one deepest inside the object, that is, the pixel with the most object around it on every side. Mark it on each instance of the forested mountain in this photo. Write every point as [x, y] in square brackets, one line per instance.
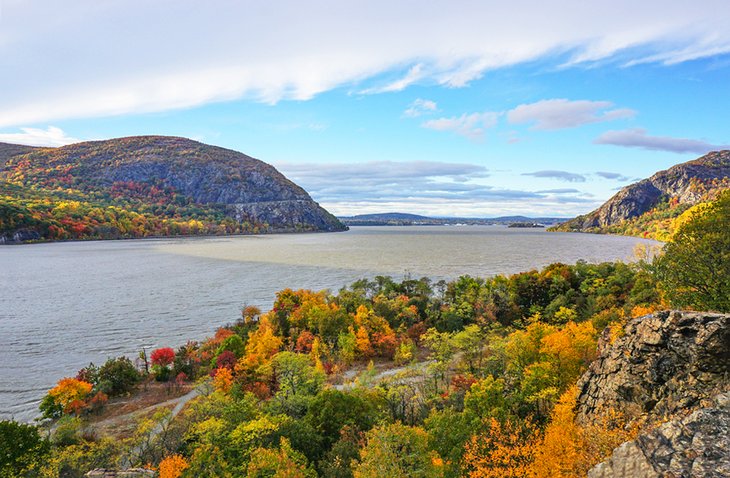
[147, 186]
[647, 208]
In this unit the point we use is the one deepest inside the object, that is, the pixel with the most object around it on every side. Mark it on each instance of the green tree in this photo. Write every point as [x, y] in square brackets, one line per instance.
[694, 270]
[22, 449]
[397, 451]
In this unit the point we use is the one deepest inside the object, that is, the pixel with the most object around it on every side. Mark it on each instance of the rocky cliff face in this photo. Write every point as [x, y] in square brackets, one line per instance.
[672, 368]
[179, 171]
[679, 182]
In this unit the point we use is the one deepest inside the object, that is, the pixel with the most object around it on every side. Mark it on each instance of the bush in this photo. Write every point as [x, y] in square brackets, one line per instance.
[117, 377]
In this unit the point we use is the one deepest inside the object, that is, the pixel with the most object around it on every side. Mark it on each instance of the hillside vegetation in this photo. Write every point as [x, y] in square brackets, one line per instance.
[146, 186]
[650, 208]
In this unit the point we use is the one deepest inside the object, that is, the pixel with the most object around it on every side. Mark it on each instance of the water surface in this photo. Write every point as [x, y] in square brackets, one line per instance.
[63, 305]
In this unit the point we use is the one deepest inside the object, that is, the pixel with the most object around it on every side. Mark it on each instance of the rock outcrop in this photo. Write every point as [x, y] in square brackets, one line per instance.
[670, 372]
[663, 364]
[697, 445]
[678, 182]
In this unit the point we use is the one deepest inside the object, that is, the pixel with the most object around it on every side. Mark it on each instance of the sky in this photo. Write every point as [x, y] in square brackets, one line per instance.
[444, 108]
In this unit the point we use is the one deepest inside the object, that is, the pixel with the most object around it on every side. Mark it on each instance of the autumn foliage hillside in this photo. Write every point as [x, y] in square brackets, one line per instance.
[146, 186]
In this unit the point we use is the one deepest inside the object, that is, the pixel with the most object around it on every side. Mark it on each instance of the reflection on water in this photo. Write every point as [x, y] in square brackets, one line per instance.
[63, 305]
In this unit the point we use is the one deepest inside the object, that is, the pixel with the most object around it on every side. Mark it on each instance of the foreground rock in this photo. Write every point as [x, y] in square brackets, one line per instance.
[665, 363]
[668, 373]
[695, 446]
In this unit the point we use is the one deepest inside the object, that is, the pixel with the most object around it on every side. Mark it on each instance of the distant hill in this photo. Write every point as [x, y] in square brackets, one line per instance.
[404, 219]
[647, 208]
[147, 186]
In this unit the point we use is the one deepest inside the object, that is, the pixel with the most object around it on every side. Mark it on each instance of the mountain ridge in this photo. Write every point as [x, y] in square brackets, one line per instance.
[167, 179]
[638, 208]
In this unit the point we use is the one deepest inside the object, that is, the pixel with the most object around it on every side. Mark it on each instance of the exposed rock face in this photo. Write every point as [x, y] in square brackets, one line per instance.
[697, 445]
[245, 188]
[664, 364]
[638, 198]
[667, 366]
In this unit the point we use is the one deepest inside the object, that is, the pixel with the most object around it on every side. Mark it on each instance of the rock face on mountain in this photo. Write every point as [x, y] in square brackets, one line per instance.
[156, 171]
[685, 182]
[667, 367]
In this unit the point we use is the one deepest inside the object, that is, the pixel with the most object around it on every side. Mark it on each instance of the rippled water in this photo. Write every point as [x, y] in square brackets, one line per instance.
[63, 305]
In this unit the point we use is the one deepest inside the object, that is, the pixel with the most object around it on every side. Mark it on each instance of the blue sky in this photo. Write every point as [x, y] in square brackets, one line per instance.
[471, 108]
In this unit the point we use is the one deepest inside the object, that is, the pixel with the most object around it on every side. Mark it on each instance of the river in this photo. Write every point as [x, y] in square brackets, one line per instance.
[63, 305]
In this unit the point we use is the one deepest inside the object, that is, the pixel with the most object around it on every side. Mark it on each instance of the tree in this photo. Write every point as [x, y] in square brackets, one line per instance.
[694, 270]
[172, 466]
[162, 358]
[397, 451]
[298, 381]
[65, 393]
[503, 450]
[22, 449]
[284, 462]
[117, 376]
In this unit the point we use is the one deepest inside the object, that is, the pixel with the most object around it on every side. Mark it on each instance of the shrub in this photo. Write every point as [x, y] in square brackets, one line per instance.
[117, 376]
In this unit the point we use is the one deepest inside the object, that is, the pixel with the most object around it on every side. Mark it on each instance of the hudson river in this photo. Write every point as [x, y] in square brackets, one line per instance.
[63, 305]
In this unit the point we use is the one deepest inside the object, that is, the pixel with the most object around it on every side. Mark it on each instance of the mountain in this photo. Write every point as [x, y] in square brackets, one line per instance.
[647, 208]
[147, 186]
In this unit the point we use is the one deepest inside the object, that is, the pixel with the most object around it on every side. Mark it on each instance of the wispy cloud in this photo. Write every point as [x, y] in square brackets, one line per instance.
[50, 136]
[562, 113]
[420, 107]
[638, 138]
[615, 176]
[561, 175]
[471, 126]
[414, 74]
[288, 49]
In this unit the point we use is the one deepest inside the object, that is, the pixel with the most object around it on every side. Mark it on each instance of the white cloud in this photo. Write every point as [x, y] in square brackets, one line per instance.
[638, 138]
[471, 125]
[420, 107]
[51, 136]
[562, 113]
[88, 58]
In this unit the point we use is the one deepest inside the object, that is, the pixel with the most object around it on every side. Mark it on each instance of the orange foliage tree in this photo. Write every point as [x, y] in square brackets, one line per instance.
[172, 466]
[503, 450]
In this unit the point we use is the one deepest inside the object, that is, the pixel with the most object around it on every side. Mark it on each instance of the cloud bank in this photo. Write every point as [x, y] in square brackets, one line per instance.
[424, 187]
[638, 138]
[88, 58]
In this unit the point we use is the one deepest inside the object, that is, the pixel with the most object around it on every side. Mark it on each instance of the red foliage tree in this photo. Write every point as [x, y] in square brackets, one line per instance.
[163, 356]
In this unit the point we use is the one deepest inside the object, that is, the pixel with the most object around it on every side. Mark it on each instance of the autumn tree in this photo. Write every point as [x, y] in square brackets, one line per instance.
[397, 451]
[502, 450]
[68, 391]
[172, 466]
[694, 269]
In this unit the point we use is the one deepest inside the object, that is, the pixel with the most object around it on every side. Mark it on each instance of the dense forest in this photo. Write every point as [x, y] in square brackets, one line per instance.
[474, 377]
